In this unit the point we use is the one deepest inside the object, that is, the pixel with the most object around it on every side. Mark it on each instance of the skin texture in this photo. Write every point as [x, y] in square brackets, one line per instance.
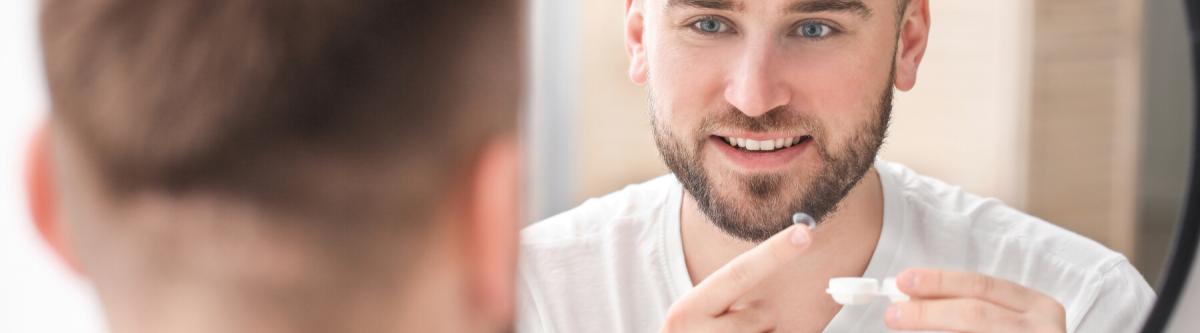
[829, 68]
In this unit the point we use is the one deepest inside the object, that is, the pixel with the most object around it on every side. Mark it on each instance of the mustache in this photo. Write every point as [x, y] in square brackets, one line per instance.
[778, 119]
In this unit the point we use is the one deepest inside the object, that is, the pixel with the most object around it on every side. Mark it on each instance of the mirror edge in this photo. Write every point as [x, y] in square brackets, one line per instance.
[1183, 250]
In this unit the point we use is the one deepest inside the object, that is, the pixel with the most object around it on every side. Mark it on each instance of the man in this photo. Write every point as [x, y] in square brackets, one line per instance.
[284, 166]
[765, 108]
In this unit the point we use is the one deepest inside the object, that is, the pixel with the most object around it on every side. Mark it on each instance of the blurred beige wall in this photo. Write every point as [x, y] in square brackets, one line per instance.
[613, 123]
[965, 121]
[1084, 134]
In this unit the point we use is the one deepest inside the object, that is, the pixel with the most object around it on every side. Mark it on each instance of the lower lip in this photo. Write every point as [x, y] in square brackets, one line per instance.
[759, 160]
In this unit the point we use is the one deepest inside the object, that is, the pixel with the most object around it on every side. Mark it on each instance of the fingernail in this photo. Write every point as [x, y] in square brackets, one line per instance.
[893, 314]
[800, 236]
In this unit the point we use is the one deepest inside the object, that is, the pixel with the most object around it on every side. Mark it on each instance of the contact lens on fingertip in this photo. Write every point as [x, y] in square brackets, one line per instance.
[802, 218]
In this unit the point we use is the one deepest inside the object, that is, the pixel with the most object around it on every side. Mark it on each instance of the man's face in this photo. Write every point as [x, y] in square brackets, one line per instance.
[765, 108]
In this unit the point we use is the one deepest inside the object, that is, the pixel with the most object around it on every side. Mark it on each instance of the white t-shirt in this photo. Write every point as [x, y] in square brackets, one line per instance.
[615, 264]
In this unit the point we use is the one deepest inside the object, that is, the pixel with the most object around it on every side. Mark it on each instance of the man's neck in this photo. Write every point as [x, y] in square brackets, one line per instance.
[425, 304]
[273, 285]
[842, 244]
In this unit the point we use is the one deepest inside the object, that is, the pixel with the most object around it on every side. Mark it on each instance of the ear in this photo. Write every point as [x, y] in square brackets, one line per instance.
[494, 204]
[634, 48]
[43, 197]
[914, 36]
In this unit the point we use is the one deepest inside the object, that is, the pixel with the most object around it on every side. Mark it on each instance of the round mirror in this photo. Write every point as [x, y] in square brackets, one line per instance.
[1076, 114]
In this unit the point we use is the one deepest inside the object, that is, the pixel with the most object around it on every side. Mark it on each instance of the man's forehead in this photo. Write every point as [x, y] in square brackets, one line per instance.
[859, 7]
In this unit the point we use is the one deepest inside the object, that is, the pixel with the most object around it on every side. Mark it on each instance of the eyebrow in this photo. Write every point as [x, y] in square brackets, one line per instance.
[802, 6]
[707, 4]
[816, 6]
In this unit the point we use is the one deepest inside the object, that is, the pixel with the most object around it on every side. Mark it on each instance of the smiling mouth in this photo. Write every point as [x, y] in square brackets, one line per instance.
[763, 146]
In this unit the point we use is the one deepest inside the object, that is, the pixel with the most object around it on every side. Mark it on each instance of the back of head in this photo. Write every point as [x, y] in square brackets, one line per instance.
[322, 139]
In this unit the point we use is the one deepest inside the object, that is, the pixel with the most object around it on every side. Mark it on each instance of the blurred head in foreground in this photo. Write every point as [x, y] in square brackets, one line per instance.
[298, 166]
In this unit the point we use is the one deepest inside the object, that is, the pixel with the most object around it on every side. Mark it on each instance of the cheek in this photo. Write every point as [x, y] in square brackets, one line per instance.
[843, 92]
[686, 86]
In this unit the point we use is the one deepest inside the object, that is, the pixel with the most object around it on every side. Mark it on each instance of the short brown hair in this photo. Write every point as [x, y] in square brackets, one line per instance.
[326, 108]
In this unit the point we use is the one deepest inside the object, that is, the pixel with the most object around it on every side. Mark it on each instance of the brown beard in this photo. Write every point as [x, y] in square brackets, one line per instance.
[770, 211]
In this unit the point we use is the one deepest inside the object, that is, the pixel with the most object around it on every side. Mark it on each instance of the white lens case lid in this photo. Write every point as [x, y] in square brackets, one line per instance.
[859, 290]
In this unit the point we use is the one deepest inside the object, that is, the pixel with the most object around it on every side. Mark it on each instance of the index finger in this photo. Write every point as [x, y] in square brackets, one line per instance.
[716, 294]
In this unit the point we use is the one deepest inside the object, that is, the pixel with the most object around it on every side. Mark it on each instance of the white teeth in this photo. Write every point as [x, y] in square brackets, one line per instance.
[751, 144]
[764, 145]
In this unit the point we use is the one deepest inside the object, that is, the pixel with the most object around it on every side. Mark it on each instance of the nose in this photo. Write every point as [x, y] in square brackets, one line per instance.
[757, 85]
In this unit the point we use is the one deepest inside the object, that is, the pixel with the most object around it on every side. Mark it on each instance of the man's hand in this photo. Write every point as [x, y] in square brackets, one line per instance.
[713, 305]
[971, 302]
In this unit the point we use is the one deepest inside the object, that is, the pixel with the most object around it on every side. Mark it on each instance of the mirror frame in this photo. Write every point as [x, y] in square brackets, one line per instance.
[1183, 253]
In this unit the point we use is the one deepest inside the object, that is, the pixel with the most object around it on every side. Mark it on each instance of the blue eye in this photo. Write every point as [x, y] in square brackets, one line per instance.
[709, 25]
[814, 30]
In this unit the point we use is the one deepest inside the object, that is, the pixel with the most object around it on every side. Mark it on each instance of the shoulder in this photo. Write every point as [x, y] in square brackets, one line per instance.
[989, 226]
[952, 228]
[629, 209]
[620, 230]
[603, 259]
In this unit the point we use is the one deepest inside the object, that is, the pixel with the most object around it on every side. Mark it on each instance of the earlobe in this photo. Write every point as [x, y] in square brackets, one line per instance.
[914, 37]
[634, 46]
[637, 70]
[43, 197]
